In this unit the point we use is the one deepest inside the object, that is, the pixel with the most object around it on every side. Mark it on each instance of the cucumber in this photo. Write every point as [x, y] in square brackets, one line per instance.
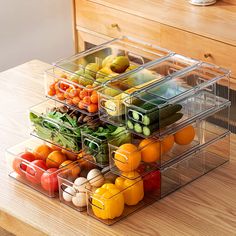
[136, 116]
[148, 130]
[138, 128]
[130, 124]
[170, 120]
[162, 113]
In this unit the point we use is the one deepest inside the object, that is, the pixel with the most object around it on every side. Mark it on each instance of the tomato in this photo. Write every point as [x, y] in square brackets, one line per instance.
[73, 93]
[82, 105]
[92, 108]
[82, 94]
[49, 180]
[52, 92]
[76, 100]
[18, 163]
[60, 96]
[87, 100]
[35, 170]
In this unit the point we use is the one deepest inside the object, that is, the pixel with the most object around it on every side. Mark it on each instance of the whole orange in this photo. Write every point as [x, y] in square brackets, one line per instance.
[127, 157]
[150, 150]
[55, 159]
[41, 152]
[167, 143]
[73, 169]
[185, 136]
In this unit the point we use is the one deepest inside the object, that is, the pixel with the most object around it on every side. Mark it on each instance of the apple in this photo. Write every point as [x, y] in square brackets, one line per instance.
[35, 170]
[49, 180]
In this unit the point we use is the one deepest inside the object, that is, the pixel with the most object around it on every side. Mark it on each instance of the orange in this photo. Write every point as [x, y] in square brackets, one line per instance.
[55, 159]
[55, 148]
[150, 150]
[94, 98]
[185, 136]
[73, 170]
[127, 157]
[41, 152]
[71, 156]
[92, 108]
[167, 143]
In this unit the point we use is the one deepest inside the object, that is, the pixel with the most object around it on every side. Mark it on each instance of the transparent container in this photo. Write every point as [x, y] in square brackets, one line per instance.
[58, 124]
[113, 94]
[120, 197]
[73, 183]
[37, 163]
[74, 80]
[195, 164]
[95, 141]
[181, 98]
[143, 155]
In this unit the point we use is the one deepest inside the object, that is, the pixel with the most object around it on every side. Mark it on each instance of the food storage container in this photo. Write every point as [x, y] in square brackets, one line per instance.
[37, 163]
[74, 182]
[58, 124]
[113, 94]
[195, 164]
[119, 197]
[95, 139]
[179, 99]
[144, 154]
[74, 80]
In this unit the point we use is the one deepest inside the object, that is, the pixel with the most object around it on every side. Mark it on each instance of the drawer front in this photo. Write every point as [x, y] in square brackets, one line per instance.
[114, 23]
[199, 47]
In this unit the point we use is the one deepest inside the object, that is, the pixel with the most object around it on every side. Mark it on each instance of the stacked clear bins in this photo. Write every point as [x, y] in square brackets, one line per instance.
[126, 123]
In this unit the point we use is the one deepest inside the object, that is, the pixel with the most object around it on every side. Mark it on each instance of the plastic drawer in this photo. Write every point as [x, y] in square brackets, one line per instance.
[120, 197]
[178, 100]
[113, 94]
[58, 124]
[69, 79]
[195, 164]
[73, 184]
[37, 164]
[141, 154]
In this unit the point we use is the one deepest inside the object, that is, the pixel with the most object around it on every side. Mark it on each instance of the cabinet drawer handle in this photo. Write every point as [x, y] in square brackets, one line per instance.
[114, 25]
[206, 55]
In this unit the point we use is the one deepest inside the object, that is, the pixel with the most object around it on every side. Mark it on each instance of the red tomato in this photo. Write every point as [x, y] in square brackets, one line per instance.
[18, 164]
[35, 170]
[49, 180]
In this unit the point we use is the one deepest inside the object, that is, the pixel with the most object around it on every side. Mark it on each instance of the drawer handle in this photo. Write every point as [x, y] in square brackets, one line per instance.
[206, 55]
[114, 25]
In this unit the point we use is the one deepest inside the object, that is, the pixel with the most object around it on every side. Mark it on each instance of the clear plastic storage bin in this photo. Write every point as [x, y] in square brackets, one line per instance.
[119, 197]
[58, 124]
[74, 80]
[145, 154]
[113, 94]
[195, 164]
[95, 140]
[185, 97]
[37, 163]
[74, 182]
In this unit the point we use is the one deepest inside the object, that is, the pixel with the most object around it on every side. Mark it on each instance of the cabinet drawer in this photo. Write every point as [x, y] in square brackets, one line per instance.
[199, 47]
[115, 23]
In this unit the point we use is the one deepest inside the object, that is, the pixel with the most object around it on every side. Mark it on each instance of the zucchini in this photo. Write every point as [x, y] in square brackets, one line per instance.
[170, 120]
[138, 128]
[130, 124]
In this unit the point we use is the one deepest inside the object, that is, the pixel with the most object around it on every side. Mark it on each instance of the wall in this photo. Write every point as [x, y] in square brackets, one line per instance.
[34, 29]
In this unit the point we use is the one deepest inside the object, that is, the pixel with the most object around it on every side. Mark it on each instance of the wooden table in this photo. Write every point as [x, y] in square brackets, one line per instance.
[205, 207]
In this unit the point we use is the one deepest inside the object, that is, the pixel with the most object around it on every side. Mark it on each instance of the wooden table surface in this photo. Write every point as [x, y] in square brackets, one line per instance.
[205, 207]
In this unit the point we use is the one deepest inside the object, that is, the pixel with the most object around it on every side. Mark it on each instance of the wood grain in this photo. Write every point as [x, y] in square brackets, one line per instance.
[205, 207]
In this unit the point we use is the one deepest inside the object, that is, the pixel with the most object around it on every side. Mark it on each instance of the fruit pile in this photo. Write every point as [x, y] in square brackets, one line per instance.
[79, 89]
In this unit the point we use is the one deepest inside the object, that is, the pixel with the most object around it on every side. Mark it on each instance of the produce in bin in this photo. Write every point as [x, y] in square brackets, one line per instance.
[95, 139]
[37, 164]
[120, 196]
[59, 124]
[144, 155]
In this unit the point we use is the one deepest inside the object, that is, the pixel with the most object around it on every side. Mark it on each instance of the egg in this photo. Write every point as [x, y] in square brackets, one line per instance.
[95, 178]
[80, 200]
[68, 194]
[81, 184]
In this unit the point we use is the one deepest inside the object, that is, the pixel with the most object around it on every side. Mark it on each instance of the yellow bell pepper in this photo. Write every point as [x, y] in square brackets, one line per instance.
[107, 202]
[132, 186]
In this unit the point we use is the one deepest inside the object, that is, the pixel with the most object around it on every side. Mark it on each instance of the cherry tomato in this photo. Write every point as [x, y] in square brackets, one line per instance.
[69, 101]
[73, 93]
[92, 108]
[35, 170]
[60, 96]
[52, 92]
[82, 105]
[49, 180]
[82, 94]
[18, 164]
[87, 100]
[52, 86]
[76, 100]
[94, 98]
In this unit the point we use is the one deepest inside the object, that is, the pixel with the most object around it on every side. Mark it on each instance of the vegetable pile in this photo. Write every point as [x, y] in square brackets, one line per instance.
[62, 126]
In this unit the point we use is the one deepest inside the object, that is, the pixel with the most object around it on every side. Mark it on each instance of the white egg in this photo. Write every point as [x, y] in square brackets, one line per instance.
[80, 200]
[95, 178]
[81, 184]
[68, 194]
